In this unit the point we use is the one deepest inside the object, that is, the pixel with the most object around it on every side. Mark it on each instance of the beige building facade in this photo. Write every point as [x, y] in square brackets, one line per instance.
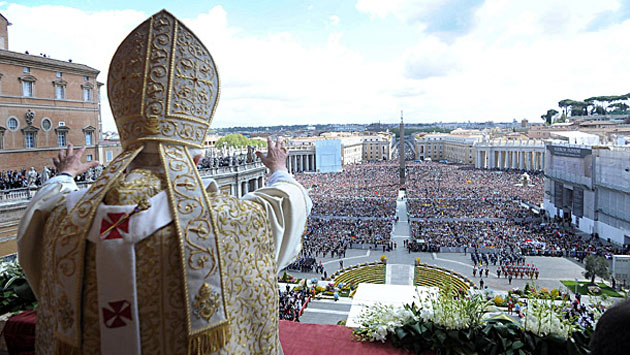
[45, 104]
[457, 148]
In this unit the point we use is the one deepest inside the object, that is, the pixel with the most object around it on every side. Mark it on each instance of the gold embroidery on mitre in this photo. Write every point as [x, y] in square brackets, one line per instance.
[206, 302]
[162, 84]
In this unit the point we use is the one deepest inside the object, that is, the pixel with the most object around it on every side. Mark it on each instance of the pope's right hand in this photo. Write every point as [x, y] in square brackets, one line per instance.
[70, 163]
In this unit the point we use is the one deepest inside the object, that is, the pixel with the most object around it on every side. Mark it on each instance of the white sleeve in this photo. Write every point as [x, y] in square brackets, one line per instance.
[287, 205]
[31, 231]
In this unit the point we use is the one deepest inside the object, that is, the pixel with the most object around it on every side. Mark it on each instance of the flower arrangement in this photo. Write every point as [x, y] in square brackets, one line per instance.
[455, 323]
[383, 259]
[379, 320]
[596, 290]
[286, 278]
[15, 292]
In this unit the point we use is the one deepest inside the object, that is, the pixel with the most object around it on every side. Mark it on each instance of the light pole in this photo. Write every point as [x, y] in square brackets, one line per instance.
[576, 285]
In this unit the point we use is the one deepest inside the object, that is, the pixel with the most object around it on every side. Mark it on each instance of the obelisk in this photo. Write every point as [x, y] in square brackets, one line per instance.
[401, 150]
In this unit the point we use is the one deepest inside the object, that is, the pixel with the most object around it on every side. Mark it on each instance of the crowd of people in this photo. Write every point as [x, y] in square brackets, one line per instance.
[430, 180]
[463, 208]
[31, 178]
[16, 179]
[291, 302]
[364, 180]
[354, 207]
[450, 197]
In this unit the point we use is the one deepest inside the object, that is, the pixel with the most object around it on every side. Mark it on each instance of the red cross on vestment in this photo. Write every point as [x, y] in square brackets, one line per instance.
[113, 218]
[116, 315]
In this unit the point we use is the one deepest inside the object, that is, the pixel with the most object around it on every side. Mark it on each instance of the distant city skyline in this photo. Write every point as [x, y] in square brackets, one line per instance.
[289, 62]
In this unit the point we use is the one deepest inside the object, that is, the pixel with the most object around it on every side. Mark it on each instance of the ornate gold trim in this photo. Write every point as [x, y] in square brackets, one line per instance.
[186, 118]
[69, 265]
[164, 140]
[199, 260]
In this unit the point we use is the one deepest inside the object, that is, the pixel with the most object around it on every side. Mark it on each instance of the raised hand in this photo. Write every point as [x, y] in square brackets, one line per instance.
[70, 162]
[276, 156]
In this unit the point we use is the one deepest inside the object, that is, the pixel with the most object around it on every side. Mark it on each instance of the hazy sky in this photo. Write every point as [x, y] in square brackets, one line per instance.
[362, 61]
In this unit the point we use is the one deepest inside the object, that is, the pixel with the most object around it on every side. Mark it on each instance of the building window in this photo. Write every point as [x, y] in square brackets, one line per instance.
[2, 129]
[59, 74]
[60, 89]
[87, 94]
[59, 92]
[28, 84]
[87, 91]
[46, 124]
[61, 139]
[26, 69]
[89, 157]
[27, 88]
[86, 78]
[30, 139]
[62, 134]
[88, 132]
[109, 156]
[13, 124]
[30, 136]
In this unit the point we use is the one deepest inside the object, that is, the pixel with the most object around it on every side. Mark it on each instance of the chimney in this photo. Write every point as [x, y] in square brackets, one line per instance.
[4, 33]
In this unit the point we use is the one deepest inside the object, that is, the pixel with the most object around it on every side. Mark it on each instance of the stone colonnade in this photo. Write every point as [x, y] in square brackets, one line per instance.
[522, 155]
[250, 185]
[300, 161]
[237, 180]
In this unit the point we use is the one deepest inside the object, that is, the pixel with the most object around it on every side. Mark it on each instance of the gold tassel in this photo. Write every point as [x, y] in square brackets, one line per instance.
[209, 341]
[62, 348]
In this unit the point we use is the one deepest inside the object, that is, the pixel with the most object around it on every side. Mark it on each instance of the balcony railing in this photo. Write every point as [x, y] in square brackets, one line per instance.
[26, 193]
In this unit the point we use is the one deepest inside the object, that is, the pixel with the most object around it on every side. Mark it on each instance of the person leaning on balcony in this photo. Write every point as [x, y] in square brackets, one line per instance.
[151, 258]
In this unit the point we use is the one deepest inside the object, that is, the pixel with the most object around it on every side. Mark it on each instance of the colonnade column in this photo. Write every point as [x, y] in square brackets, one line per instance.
[527, 161]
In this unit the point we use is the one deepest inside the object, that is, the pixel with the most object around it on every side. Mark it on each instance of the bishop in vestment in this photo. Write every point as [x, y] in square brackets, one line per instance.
[151, 258]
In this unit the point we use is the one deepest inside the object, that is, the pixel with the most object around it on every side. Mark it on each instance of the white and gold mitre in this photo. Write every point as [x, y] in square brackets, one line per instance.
[162, 84]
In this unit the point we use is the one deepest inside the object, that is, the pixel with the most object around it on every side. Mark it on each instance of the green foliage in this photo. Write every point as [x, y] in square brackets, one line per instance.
[596, 266]
[14, 289]
[599, 105]
[548, 116]
[410, 131]
[582, 288]
[239, 140]
[493, 336]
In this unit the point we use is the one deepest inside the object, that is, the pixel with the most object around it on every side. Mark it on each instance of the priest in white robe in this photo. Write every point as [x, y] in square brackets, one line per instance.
[151, 258]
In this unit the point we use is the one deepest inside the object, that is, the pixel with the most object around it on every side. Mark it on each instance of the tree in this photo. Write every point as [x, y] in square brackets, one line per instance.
[596, 266]
[548, 116]
[238, 140]
[564, 105]
[619, 107]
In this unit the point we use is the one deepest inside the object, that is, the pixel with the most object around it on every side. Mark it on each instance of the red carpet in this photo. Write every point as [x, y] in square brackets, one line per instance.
[305, 339]
[19, 333]
[296, 338]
